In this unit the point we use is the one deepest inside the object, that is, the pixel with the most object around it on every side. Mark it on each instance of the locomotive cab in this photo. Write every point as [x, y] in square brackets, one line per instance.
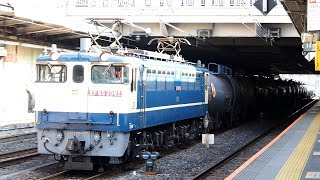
[74, 92]
[81, 86]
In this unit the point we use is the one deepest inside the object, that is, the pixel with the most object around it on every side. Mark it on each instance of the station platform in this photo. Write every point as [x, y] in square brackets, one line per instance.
[20, 123]
[293, 154]
[5, 125]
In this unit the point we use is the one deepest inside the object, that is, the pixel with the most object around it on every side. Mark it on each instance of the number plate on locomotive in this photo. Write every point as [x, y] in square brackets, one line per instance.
[105, 93]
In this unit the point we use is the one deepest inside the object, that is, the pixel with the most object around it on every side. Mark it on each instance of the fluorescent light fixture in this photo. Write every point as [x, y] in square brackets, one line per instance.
[68, 50]
[9, 42]
[33, 46]
[54, 48]
[15, 43]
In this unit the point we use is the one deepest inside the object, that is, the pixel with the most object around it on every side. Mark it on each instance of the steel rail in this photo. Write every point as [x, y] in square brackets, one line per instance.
[23, 151]
[53, 176]
[17, 155]
[18, 137]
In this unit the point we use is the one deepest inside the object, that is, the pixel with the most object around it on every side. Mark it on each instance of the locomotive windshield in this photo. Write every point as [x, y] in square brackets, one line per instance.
[109, 74]
[51, 73]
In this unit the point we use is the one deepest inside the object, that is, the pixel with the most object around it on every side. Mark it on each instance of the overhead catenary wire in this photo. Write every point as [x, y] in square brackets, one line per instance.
[265, 31]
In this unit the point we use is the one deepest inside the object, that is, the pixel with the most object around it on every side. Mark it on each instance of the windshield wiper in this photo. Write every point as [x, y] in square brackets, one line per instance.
[106, 70]
[49, 65]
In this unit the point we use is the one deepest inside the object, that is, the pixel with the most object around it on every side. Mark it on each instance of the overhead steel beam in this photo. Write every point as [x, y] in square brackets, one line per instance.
[6, 30]
[36, 29]
[72, 36]
[51, 31]
[6, 22]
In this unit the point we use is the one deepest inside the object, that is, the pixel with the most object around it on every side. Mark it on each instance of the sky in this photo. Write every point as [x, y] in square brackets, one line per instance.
[38, 9]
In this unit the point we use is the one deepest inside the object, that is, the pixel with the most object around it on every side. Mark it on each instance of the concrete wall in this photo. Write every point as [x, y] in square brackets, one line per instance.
[17, 74]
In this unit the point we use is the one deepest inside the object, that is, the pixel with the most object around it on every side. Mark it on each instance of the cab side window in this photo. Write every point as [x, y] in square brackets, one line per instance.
[78, 74]
[102, 74]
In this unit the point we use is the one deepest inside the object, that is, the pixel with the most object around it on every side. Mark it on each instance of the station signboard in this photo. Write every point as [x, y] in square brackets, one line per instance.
[265, 6]
[313, 23]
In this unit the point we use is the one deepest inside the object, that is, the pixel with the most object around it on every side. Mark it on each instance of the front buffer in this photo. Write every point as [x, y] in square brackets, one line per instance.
[79, 146]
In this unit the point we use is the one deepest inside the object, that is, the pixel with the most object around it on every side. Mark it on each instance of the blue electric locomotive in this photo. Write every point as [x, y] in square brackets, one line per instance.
[103, 106]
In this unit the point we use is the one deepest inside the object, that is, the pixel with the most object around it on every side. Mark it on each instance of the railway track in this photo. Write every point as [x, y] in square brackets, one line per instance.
[72, 174]
[57, 175]
[11, 157]
[207, 171]
[112, 173]
[86, 175]
[89, 175]
[229, 157]
[18, 137]
[109, 173]
[116, 171]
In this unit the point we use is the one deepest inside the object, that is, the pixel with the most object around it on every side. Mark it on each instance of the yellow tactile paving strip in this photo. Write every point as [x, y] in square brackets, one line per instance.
[294, 166]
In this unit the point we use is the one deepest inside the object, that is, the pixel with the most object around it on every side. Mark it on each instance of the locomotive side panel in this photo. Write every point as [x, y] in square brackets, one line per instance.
[173, 92]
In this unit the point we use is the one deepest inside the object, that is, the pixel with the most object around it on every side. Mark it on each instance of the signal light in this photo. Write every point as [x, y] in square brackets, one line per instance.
[111, 113]
[44, 111]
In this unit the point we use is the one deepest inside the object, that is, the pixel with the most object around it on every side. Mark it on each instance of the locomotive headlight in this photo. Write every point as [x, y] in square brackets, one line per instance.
[150, 163]
[54, 56]
[59, 136]
[145, 155]
[154, 155]
[104, 56]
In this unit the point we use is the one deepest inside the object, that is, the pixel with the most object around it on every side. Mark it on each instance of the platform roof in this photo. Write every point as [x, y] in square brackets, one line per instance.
[24, 30]
[297, 11]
